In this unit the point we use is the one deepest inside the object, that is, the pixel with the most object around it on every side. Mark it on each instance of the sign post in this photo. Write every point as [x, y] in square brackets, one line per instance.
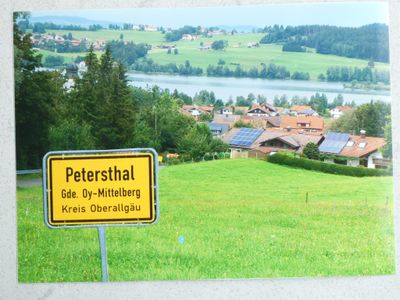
[103, 252]
[99, 189]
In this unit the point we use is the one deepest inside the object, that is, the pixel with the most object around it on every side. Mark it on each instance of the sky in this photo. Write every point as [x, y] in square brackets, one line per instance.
[352, 14]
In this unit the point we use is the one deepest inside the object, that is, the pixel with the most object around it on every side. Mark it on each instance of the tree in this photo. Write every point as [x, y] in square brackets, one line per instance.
[319, 102]
[116, 115]
[219, 45]
[371, 117]
[53, 61]
[387, 150]
[337, 101]
[281, 102]
[36, 95]
[311, 151]
[38, 28]
[221, 62]
[242, 124]
[371, 63]
[102, 100]
[241, 101]
[198, 141]
[261, 99]
[71, 135]
[204, 97]
[175, 51]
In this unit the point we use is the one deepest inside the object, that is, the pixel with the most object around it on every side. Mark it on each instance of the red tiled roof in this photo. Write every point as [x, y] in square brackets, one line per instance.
[372, 144]
[254, 107]
[300, 108]
[313, 122]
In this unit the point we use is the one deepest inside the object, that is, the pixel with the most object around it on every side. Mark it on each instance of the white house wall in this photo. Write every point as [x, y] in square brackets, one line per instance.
[376, 154]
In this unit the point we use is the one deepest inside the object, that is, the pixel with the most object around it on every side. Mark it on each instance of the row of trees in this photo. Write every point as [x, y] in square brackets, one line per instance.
[365, 42]
[319, 102]
[53, 61]
[149, 66]
[348, 74]
[270, 71]
[293, 46]
[39, 27]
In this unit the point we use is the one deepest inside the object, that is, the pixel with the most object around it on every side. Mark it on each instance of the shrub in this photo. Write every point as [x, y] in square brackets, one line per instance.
[283, 159]
[311, 151]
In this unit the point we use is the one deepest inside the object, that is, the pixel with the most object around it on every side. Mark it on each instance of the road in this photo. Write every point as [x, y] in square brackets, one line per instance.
[29, 182]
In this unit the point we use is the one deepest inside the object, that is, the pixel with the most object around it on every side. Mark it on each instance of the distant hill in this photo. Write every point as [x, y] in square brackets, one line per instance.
[67, 20]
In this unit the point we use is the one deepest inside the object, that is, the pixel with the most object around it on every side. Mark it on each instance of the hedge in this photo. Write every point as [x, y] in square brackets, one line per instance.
[315, 165]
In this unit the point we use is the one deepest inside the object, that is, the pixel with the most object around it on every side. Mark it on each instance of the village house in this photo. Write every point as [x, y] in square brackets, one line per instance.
[150, 28]
[75, 43]
[282, 110]
[338, 111]
[305, 124]
[218, 129]
[264, 110]
[253, 45]
[273, 142]
[302, 110]
[215, 32]
[274, 121]
[354, 150]
[195, 110]
[228, 110]
[99, 45]
[231, 109]
[188, 37]
[226, 119]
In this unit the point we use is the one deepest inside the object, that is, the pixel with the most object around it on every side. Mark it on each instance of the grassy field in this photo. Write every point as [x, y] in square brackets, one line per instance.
[310, 62]
[238, 219]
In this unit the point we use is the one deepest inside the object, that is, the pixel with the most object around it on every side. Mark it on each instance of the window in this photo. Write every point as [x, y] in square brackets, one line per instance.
[349, 144]
[362, 145]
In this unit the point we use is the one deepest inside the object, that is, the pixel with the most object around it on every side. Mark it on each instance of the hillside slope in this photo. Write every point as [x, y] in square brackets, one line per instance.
[226, 219]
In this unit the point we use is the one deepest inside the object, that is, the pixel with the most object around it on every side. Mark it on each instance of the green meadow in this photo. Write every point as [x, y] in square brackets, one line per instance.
[236, 52]
[225, 219]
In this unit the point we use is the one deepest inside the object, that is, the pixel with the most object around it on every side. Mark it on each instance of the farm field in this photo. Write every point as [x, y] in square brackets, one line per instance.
[238, 219]
[310, 61]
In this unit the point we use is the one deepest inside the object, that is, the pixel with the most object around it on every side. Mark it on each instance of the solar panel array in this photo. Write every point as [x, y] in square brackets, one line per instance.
[245, 137]
[334, 142]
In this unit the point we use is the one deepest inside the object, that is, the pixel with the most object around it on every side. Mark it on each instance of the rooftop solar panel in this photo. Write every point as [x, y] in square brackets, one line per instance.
[334, 142]
[245, 137]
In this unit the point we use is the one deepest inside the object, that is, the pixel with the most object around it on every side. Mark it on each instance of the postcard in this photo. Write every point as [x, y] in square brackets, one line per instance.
[230, 142]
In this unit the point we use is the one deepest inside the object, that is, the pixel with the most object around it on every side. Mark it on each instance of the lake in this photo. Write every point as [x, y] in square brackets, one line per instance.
[225, 88]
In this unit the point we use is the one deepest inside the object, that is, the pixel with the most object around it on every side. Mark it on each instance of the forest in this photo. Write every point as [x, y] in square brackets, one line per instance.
[365, 42]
